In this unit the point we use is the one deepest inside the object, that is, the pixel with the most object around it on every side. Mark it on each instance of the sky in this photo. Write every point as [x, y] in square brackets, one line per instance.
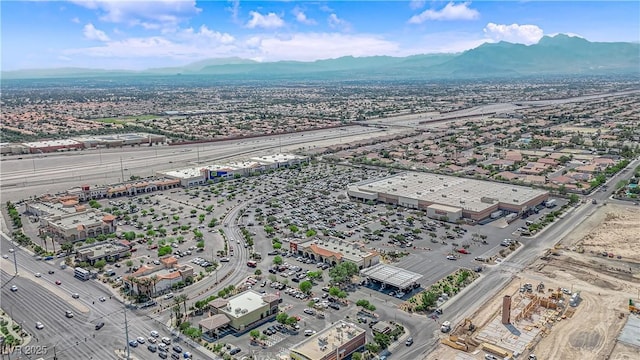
[137, 35]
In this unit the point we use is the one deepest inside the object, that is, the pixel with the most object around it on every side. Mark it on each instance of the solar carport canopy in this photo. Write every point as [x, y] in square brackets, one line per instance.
[391, 275]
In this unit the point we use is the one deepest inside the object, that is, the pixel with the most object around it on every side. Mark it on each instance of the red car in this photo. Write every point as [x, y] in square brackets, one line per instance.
[58, 282]
[463, 251]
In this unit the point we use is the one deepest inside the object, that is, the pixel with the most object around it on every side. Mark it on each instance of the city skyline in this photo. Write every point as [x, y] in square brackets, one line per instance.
[138, 35]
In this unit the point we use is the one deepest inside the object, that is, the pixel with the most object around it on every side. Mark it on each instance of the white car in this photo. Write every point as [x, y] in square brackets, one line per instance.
[11, 250]
[37, 275]
[14, 288]
[5, 256]
[140, 339]
[39, 325]
[154, 334]
[451, 257]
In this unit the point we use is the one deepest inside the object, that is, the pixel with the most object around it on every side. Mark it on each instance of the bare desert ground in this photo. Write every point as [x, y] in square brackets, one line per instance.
[605, 284]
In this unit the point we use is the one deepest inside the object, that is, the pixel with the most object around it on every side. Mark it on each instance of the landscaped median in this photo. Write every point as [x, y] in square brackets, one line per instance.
[439, 292]
[13, 335]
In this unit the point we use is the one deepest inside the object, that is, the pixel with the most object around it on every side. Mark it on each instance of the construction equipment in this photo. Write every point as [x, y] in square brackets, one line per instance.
[556, 294]
[633, 308]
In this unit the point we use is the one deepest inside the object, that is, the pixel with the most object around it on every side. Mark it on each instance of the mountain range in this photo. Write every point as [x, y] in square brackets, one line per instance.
[557, 55]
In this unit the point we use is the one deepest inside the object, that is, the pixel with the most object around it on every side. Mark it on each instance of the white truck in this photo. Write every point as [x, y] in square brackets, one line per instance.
[446, 327]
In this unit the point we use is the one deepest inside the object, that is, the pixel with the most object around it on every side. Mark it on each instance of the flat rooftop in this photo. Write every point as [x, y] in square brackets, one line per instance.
[243, 303]
[277, 158]
[187, 173]
[100, 250]
[53, 209]
[63, 142]
[327, 340]
[469, 194]
[349, 250]
[79, 219]
[391, 275]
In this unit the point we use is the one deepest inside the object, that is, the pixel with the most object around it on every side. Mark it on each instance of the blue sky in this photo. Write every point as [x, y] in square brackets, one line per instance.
[116, 34]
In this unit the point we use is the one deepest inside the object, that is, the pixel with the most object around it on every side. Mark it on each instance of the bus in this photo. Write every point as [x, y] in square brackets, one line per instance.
[82, 274]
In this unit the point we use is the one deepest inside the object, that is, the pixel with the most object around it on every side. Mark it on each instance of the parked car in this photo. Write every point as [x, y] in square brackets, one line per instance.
[409, 342]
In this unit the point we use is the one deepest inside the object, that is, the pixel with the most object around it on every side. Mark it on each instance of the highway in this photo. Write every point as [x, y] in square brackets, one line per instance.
[54, 172]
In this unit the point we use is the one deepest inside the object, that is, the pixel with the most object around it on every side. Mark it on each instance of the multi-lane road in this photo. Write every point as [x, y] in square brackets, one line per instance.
[27, 175]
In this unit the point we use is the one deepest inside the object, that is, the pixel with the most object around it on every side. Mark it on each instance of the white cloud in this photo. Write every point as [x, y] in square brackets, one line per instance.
[450, 12]
[90, 32]
[207, 35]
[314, 46]
[301, 17]
[335, 22]
[234, 9]
[416, 4]
[269, 21]
[514, 33]
[75, 20]
[149, 14]
[189, 45]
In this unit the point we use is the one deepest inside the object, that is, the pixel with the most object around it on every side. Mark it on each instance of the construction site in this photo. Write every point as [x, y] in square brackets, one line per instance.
[570, 304]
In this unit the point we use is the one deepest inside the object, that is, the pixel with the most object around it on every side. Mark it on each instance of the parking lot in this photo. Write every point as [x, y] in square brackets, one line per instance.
[293, 205]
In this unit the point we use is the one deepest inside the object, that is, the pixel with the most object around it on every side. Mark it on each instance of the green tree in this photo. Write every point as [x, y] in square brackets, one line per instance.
[305, 286]
[282, 318]
[254, 334]
[383, 340]
[100, 264]
[573, 199]
[164, 250]
[356, 356]
[277, 260]
[67, 247]
[292, 321]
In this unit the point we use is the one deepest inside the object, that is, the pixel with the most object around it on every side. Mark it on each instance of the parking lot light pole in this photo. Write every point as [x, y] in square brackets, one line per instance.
[15, 261]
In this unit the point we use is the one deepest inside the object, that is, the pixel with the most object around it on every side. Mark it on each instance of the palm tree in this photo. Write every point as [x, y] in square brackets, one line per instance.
[182, 298]
[154, 281]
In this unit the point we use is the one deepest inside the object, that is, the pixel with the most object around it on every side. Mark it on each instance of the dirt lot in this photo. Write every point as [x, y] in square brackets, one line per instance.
[605, 284]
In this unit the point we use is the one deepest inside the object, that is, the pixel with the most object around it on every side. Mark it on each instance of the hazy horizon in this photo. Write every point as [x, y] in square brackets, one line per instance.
[139, 35]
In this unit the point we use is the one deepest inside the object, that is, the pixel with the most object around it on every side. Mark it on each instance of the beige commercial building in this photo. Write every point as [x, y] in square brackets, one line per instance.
[473, 199]
[334, 251]
[246, 310]
[63, 219]
[152, 280]
[110, 251]
[336, 342]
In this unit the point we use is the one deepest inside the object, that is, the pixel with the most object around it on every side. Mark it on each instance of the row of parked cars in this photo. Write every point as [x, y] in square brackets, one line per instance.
[202, 262]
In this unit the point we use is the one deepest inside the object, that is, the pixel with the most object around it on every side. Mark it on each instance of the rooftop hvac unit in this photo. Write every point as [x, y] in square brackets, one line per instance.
[404, 186]
[403, 178]
[516, 200]
[244, 311]
[418, 192]
[419, 181]
[237, 310]
[514, 189]
[465, 190]
[444, 195]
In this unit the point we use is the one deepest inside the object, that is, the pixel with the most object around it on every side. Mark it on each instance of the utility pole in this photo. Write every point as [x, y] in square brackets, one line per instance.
[280, 141]
[15, 261]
